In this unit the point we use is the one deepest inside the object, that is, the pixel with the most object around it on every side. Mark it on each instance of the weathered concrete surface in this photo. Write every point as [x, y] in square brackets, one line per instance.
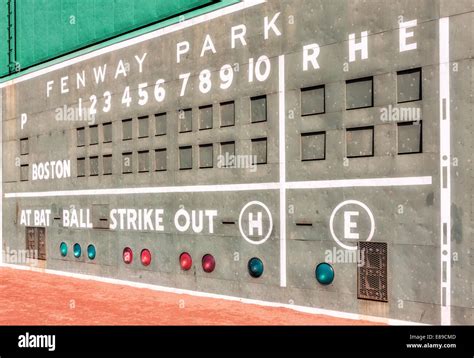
[406, 217]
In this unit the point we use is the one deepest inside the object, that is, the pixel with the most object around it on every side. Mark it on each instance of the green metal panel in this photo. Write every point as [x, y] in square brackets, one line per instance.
[3, 37]
[78, 27]
[50, 28]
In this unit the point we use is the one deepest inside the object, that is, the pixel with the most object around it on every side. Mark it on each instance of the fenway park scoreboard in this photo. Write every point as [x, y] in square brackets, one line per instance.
[309, 153]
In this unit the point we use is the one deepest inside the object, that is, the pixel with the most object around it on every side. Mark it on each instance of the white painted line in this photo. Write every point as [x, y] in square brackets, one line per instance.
[318, 184]
[129, 42]
[282, 165]
[149, 190]
[305, 309]
[353, 183]
[445, 166]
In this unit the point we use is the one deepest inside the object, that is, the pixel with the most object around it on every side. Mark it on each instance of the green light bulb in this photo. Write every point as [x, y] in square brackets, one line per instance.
[77, 250]
[255, 267]
[324, 273]
[91, 252]
[63, 249]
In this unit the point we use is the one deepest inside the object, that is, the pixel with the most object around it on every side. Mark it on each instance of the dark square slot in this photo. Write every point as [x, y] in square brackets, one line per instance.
[160, 124]
[127, 163]
[185, 120]
[259, 150]
[107, 132]
[160, 159]
[410, 136]
[227, 114]
[24, 146]
[81, 167]
[81, 136]
[360, 93]
[127, 130]
[228, 149]
[100, 217]
[107, 164]
[409, 85]
[313, 146]
[258, 109]
[360, 142]
[143, 161]
[313, 100]
[143, 127]
[185, 158]
[206, 156]
[94, 166]
[205, 117]
[94, 134]
[24, 172]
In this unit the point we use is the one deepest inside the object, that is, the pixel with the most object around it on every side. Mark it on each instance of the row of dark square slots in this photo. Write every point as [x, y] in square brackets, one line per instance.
[359, 141]
[185, 116]
[359, 94]
[206, 158]
[206, 151]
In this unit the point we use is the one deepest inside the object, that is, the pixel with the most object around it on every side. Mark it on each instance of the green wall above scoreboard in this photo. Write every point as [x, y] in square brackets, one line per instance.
[3, 38]
[35, 31]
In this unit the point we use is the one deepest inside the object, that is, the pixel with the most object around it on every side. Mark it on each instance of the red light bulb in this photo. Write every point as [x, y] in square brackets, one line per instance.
[145, 257]
[208, 263]
[186, 261]
[127, 255]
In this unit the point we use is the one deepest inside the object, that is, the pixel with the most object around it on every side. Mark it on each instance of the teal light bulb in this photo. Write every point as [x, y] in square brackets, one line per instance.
[324, 273]
[77, 250]
[63, 249]
[255, 267]
[91, 252]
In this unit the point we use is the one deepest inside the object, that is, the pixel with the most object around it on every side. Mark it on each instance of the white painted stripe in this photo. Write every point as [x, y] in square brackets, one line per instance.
[352, 183]
[318, 184]
[445, 160]
[129, 42]
[305, 309]
[149, 190]
[282, 154]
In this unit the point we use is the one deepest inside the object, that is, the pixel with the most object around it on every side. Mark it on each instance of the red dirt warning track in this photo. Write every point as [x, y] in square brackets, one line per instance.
[34, 298]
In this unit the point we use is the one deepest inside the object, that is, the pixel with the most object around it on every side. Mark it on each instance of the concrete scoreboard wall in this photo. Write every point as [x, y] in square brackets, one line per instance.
[289, 131]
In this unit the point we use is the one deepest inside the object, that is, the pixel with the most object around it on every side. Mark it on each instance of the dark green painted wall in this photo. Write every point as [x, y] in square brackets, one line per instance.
[3, 37]
[50, 28]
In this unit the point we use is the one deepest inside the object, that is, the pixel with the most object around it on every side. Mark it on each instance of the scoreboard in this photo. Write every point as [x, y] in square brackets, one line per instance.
[308, 153]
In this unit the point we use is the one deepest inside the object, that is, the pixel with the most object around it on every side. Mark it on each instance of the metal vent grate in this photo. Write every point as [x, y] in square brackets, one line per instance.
[31, 245]
[372, 272]
[36, 243]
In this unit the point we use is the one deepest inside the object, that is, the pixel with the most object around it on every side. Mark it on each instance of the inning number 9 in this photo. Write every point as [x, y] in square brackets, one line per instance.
[227, 76]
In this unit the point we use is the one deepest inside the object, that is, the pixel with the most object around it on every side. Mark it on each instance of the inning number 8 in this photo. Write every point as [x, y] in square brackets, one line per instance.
[205, 83]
